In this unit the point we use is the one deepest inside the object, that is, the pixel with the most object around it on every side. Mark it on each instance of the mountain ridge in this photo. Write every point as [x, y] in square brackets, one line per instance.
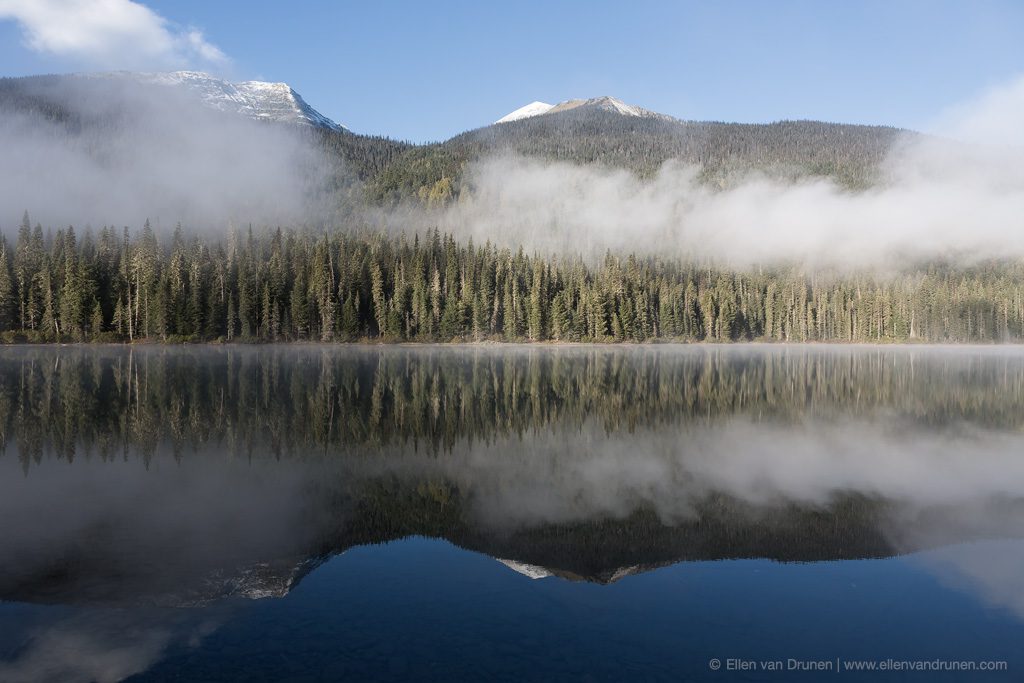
[259, 100]
[601, 130]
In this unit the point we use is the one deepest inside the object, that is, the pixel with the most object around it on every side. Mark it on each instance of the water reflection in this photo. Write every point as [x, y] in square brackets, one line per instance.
[289, 401]
[101, 646]
[160, 477]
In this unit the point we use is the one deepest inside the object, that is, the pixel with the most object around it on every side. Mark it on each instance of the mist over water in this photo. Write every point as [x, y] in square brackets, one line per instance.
[103, 648]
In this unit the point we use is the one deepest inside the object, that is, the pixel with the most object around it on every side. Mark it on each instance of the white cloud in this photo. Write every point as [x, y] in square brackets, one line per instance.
[112, 34]
[941, 200]
[993, 118]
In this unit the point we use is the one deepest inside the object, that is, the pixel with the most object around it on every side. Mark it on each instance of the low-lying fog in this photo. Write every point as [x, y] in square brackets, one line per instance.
[960, 196]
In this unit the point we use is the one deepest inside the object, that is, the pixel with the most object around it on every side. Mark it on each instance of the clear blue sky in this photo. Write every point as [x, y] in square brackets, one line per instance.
[428, 70]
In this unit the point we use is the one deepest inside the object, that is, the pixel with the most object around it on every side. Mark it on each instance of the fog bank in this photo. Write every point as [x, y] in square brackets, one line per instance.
[940, 200]
[117, 152]
[957, 194]
[155, 152]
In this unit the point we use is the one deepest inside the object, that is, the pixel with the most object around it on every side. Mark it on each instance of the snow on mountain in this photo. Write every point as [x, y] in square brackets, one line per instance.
[605, 103]
[532, 109]
[530, 570]
[534, 571]
[277, 101]
[255, 99]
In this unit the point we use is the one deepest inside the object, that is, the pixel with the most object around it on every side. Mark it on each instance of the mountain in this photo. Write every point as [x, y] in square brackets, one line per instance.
[257, 100]
[108, 121]
[532, 571]
[162, 570]
[532, 109]
[600, 130]
[611, 133]
[97, 98]
[603, 103]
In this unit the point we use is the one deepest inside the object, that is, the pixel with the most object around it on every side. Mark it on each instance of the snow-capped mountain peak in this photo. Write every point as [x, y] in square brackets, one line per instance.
[529, 570]
[605, 103]
[256, 99]
[532, 109]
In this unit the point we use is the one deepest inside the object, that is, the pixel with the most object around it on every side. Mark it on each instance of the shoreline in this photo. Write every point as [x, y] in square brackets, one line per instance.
[367, 344]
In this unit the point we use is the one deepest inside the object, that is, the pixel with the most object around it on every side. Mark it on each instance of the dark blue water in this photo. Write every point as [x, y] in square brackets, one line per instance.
[423, 609]
[166, 538]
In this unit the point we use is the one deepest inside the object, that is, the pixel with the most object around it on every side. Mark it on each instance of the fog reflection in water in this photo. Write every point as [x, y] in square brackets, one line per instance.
[142, 479]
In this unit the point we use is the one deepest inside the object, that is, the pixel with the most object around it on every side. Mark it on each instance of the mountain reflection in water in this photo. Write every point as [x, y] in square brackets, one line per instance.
[155, 477]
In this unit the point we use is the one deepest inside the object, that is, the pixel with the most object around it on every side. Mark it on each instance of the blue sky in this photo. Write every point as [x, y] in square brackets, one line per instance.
[427, 70]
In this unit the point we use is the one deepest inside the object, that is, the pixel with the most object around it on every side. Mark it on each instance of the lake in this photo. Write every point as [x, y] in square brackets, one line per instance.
[503, 512]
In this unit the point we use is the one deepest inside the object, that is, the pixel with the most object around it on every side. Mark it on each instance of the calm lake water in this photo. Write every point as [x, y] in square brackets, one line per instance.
[511, 513]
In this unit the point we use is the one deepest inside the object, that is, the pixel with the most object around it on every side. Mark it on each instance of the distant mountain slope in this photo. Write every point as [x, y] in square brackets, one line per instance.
[608, 132]
[850, 153]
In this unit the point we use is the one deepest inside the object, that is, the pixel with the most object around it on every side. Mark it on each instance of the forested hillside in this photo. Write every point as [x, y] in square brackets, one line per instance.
[290, 285]
[725, 152]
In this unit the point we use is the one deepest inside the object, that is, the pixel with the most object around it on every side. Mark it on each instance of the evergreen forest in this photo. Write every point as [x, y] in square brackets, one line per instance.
[299, 285]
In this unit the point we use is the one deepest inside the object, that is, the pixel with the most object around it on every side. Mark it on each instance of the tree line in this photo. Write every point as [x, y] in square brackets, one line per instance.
[294, 285]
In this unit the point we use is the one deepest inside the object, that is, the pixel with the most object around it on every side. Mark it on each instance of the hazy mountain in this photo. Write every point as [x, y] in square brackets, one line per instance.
[257, 100]
[601, 130]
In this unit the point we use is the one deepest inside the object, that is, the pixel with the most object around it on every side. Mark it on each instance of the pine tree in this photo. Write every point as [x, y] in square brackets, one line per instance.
[96, 320]
[380, 311]
[560, 327]
[8, 295]
[538, 301]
